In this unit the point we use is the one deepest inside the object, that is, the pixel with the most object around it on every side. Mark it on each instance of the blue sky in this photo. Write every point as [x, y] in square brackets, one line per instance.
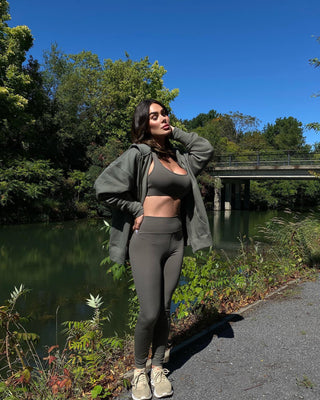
[247, 56]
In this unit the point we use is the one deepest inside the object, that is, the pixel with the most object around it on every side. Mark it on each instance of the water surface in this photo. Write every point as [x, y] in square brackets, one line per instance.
[60, 263]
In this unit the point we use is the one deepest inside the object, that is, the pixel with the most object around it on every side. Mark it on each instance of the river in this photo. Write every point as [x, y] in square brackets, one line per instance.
[60, 263]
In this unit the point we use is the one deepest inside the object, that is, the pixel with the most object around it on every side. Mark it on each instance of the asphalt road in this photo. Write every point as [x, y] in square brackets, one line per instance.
[270, 350]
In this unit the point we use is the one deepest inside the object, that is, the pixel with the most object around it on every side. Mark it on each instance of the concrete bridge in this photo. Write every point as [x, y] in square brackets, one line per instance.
[233, 173]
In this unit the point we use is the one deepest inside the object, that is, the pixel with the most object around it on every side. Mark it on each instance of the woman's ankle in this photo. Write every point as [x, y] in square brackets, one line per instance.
[139, 368]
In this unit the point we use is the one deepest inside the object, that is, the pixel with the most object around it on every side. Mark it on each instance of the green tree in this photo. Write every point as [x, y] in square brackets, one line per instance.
[227, 127]
[124, 84]
[94, 101]
[254, 141]
[285, 134]
[261, 196]
[200, 120]
[27, 188]
[14, 81]
[243, 123]
[70, 82]
[212, 131]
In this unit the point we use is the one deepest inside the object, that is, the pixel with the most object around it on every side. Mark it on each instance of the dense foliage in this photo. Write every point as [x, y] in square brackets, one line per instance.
[62, 122]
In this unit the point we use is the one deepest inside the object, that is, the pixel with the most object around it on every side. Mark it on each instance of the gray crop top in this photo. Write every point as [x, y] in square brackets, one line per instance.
[163, 182]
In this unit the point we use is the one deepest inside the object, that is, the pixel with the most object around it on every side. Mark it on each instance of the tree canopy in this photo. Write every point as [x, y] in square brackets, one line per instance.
[62, 122]
[14, 82]
[285, 134]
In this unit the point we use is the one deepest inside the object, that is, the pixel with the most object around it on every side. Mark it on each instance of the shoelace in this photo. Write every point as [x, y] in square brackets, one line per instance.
[139, 377]
[159, 374]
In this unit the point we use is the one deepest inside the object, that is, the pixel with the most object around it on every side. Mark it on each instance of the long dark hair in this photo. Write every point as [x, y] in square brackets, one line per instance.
[140, 130]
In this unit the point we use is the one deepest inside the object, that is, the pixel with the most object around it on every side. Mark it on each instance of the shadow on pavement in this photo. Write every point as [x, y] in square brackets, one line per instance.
[179, 356]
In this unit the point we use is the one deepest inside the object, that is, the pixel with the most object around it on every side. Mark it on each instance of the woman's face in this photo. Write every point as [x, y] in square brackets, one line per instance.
[159, 122]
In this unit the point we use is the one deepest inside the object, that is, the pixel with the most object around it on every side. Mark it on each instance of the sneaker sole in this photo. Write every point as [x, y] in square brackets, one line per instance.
[141, 398]
[163, 395]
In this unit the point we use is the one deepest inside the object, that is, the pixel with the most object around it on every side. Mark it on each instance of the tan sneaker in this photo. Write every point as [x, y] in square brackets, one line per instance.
[161, 384]
[140, 385]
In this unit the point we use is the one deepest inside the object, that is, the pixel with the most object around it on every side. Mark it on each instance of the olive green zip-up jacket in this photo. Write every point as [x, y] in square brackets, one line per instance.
[123, 185]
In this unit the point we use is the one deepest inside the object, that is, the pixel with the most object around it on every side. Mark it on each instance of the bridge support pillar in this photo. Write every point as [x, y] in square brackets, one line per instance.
[237, 196]
[217, 195]
[227, 196]
[246, 197]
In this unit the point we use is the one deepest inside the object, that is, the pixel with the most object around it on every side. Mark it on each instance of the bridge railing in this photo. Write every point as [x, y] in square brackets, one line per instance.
[280, 158]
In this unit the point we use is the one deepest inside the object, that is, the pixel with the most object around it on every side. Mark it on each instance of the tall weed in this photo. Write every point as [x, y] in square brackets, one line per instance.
[295, 237]
[80, 370]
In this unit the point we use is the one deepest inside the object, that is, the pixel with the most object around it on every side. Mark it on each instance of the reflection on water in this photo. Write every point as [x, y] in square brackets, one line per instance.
[60, 263]
[230, 227]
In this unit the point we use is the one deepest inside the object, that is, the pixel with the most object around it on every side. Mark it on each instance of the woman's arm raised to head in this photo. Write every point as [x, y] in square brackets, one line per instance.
[198, 148]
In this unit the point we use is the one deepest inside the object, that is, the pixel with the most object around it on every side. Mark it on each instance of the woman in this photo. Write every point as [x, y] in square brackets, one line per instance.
[157, 208]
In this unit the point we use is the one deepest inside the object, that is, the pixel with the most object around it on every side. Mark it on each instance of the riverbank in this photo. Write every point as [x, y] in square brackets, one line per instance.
[93, 365]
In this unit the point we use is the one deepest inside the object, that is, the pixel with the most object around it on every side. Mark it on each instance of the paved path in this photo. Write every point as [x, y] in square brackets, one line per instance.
[268, 351]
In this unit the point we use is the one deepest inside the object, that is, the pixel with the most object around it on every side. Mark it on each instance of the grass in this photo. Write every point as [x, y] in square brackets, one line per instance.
[305, 382]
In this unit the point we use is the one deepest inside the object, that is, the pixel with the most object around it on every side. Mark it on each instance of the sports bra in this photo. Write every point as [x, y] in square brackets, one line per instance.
[163, 182]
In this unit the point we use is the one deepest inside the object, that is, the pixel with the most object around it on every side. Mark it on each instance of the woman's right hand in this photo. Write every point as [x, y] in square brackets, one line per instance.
[137, 223]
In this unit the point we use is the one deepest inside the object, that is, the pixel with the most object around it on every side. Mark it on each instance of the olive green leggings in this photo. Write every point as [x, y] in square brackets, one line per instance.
[156, 253]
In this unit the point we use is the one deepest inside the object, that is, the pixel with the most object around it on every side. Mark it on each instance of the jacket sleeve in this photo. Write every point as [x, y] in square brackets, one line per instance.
[199, 150]
[116, 184]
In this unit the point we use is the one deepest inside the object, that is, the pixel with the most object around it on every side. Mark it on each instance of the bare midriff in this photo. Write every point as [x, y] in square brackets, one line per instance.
[161, 206]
